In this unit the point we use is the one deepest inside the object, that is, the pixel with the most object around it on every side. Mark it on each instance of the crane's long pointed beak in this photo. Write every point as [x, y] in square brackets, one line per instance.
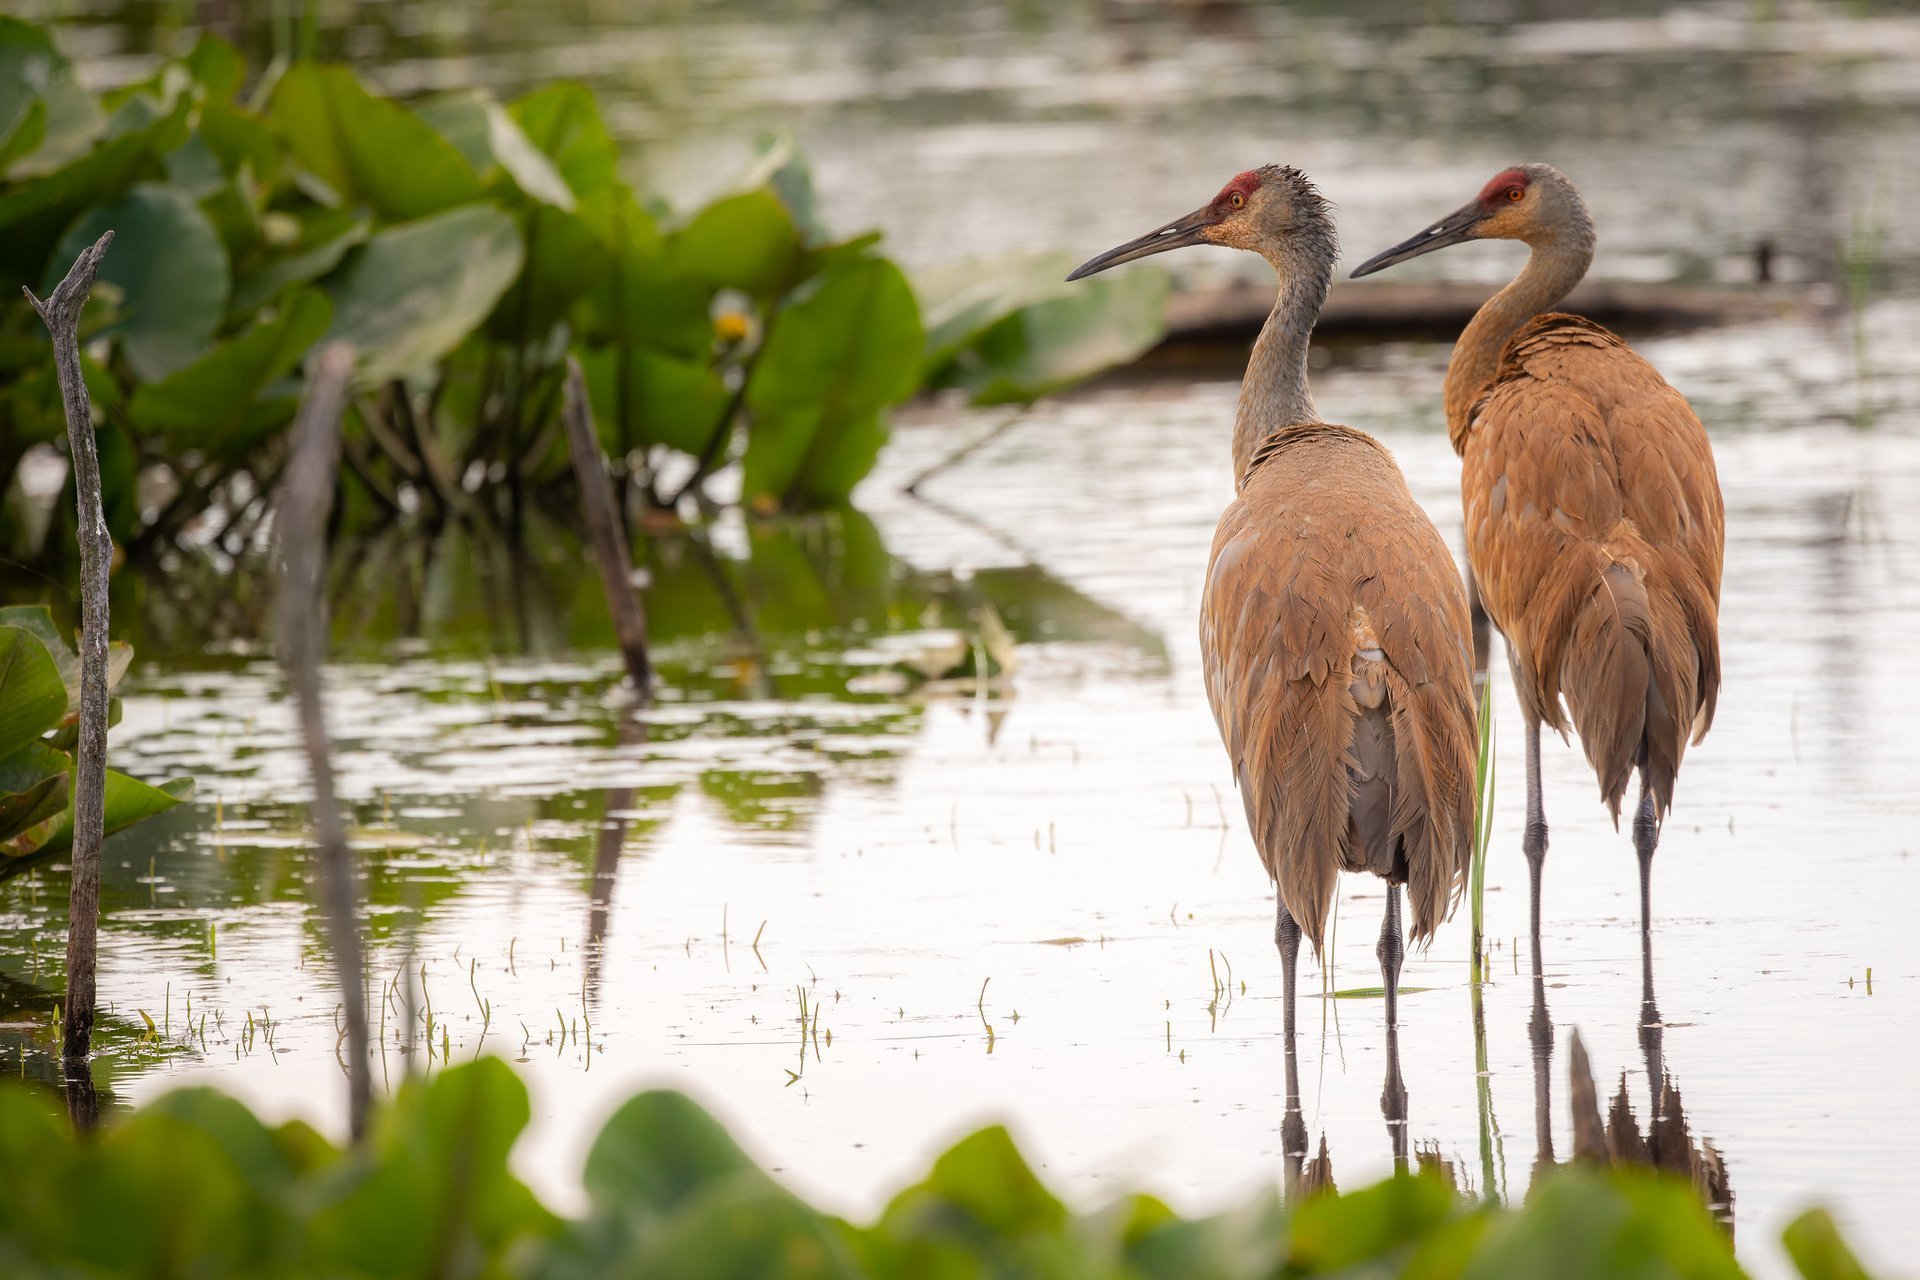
[1177, 234]
[1452, 229]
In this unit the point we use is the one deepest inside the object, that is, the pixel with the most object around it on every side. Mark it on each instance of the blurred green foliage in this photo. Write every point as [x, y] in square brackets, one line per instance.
[465, 248]
[194, 1184]
[39, 723]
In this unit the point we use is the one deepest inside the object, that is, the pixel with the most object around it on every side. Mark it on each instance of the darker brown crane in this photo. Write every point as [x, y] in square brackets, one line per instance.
[1595, 527]
[1333, 628]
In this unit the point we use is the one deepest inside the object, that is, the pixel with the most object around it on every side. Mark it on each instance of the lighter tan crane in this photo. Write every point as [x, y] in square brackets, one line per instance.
[1595, 526]
[1333, 628]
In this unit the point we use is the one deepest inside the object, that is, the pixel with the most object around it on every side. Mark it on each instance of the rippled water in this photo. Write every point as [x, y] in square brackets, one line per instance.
[1030, 896]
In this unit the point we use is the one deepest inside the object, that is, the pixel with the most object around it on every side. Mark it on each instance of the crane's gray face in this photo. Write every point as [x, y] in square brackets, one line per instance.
[1230, 218]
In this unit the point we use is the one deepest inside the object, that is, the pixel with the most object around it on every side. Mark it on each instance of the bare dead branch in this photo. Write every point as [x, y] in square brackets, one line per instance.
[61, 312]
[603, 531]
[306, 494]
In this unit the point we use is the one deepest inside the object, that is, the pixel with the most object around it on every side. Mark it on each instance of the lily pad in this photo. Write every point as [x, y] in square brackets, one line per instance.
[169, 268]
[32, 697]
[46, 118]
[367, 149]
[213, 404]
[414, 291]
[38, 619]
[488, 139]
[831, 363]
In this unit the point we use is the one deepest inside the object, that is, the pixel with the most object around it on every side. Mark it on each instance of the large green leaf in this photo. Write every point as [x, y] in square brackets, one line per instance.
[367, 149]
[437, 1154]
[643, 398]
[128, 801]
[565, 263]
[33, 214]
[656, 1152]
[20, 810]
[563, 120]
[170, 269]
[239, 139]
[646, 299]
[1584, 1224]
[414, 291]
[32, 697]
[214, 403]
[747, 1228]
[746, 242]
[324, 238]
[1819, 1252]
[489, 139]
[1022, 332]
[33, 790]
[38, 94]
[831, 362]
[38, 619]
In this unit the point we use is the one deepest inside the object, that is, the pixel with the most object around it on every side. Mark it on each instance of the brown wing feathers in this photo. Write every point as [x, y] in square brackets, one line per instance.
[1334, 636]
[1595, 526]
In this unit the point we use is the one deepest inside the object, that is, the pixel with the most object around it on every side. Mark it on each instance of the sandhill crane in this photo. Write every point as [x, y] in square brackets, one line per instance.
[1595, 526]
[1333, 628]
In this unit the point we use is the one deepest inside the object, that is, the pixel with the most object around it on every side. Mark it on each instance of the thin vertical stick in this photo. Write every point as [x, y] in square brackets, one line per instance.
[306, 494]
[61, 312]
[603, 531]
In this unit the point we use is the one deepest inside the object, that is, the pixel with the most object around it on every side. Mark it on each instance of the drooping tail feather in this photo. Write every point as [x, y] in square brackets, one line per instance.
[1630, 675]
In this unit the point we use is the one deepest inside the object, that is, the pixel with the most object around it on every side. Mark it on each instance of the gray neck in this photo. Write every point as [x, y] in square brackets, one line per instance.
[1274, 393]
[1553, 268]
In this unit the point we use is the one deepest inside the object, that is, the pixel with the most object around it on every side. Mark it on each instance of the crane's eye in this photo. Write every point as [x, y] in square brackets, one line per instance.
[1237, 200]
[1514, 194]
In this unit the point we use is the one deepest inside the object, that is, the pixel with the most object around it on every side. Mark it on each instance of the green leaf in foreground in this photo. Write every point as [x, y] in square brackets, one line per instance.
[1817, 1249]
[414, 291]
[32, 697]
[128, 801]
[38, 619]
[657, 1151]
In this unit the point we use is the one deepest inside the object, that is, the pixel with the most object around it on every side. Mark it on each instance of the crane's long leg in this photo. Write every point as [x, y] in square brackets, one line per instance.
[1646, 836]
[1535, 841]
[1391, 950]
[1286, 936]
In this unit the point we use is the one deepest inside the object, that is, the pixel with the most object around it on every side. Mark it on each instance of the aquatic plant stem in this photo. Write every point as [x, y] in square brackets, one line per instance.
[61, 312]
[610, 548]
[305, 498]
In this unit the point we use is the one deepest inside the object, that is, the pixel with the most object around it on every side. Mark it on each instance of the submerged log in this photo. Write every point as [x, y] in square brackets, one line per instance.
[1235, 312]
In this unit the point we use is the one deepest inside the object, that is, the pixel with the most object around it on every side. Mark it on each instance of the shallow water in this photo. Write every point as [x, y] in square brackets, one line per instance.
[1002, 896]
[1012, 899]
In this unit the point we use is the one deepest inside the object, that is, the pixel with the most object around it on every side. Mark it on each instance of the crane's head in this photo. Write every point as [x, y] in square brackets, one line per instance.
[1532, 202]
[1271, 211]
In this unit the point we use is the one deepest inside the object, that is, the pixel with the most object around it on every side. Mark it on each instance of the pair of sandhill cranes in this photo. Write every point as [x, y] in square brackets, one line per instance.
[1334, 628]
